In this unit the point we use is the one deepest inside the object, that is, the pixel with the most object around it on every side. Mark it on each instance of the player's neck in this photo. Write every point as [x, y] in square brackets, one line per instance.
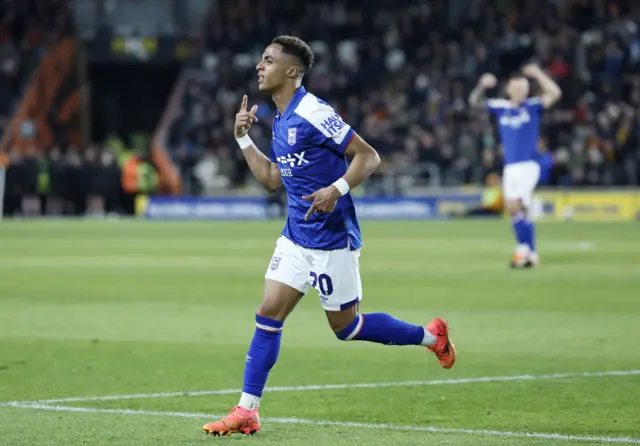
[283, 97]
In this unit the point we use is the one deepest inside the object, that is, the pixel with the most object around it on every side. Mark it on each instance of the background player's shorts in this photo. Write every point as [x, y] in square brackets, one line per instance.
[519, 180]
[334, 274]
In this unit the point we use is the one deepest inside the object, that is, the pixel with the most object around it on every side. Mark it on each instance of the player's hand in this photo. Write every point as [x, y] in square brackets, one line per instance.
[531, 70]
[488, 80]
[245, 119]
[324, 200]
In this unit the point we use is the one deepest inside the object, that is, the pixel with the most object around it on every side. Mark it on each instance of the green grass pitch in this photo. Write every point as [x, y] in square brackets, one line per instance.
[89, 309]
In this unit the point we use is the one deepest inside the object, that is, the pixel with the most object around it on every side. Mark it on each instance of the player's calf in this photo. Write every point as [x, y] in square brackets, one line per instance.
[524, 234]
[384, 329]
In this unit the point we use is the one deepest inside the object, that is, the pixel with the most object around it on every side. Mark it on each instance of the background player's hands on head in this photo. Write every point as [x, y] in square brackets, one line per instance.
[245, 119]
[324, 200]
[531, 70]
[488, 80]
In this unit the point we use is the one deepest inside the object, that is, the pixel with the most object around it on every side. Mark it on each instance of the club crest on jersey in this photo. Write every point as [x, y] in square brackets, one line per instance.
[275, 262]
[292, 136]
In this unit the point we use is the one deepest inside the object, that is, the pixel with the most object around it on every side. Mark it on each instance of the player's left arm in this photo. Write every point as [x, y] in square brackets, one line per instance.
[550, 90]
[364, 161]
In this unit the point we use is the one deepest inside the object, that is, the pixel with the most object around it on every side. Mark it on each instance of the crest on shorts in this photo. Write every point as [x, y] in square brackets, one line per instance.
[292, 136]
[275, 262]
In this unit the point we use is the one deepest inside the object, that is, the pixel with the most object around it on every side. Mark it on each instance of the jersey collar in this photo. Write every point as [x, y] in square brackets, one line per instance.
[295, 100]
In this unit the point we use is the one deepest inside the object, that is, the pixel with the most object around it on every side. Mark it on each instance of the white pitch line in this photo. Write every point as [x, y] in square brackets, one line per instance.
[338, 386]
[439, 430]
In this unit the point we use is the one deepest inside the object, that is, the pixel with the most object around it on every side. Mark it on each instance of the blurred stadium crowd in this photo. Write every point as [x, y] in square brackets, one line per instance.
[400, 74]
[26, 28]
[399, 71]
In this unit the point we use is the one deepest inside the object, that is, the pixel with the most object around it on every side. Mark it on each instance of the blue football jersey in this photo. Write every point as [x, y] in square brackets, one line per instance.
[519, 127]
[309, 141]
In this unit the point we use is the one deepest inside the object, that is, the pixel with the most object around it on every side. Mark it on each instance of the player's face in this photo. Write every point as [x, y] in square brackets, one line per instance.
[273, 69]
[518, 89]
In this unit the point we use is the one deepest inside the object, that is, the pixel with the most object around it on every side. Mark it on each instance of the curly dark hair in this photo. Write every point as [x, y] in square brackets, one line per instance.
[296, 47]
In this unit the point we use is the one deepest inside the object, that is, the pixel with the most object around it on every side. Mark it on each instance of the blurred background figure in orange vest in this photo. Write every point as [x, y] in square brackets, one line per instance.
[492, 198]
[130, 183]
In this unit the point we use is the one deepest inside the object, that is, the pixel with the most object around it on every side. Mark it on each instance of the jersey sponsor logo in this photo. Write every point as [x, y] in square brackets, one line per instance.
[292, 136]
[515, 121]
[333, 124]
[298, 159]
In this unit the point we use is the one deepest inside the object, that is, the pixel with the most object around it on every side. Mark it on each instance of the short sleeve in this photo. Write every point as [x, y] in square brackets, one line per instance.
[326, 127]
[535, 105]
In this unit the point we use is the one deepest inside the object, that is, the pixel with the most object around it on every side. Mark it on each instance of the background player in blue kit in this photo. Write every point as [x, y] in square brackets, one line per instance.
[320, 243]
[518, 119]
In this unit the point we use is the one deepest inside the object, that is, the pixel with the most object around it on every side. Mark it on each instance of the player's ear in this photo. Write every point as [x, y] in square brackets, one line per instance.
[293, 72]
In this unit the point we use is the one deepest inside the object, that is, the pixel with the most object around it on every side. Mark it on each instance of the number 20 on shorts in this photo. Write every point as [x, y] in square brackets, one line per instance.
[322, 283]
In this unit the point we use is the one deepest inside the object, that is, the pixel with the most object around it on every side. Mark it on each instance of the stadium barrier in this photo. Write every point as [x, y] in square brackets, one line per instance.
[591, 205]
[614, 205]
[258, 208]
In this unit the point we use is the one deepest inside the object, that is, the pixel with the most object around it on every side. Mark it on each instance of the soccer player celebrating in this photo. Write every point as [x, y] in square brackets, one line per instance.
[320, 244]
[518, 120]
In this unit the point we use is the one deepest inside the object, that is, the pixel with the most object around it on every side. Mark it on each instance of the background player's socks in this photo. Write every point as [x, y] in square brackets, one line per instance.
[531, 234]
[385, 329]
[521, 228]
[261, 357]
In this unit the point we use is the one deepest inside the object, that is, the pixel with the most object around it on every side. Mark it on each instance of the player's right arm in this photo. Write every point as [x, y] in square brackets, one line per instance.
[477, 98]
[550, 90]
[265, 171]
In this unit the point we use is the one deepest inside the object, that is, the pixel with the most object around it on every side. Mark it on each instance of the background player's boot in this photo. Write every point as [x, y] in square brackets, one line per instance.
[239, 420]
[520, 256]
[532, 260]
[444, 350]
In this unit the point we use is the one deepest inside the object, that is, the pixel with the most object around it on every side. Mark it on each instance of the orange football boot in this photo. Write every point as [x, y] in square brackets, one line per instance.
[444, 350]
[239, 421]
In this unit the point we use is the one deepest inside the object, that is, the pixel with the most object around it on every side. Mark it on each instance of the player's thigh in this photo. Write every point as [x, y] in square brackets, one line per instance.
[530, 178]
[514, 187]
[287, 280]
[336, 277]
[512, 181]
[278, 300]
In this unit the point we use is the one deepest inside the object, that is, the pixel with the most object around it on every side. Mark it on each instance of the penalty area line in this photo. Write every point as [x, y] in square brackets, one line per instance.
[320, 387]
[431, 429]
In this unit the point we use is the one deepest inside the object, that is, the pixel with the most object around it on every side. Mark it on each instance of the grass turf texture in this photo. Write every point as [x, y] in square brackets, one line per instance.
[112, 308]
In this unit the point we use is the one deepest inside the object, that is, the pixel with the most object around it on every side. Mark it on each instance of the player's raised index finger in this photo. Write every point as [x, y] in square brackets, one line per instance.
[243, 107]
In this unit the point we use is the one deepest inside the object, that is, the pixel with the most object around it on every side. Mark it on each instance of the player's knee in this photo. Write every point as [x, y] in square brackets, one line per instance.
[267, 309]
[350, 331]
[513, 207]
